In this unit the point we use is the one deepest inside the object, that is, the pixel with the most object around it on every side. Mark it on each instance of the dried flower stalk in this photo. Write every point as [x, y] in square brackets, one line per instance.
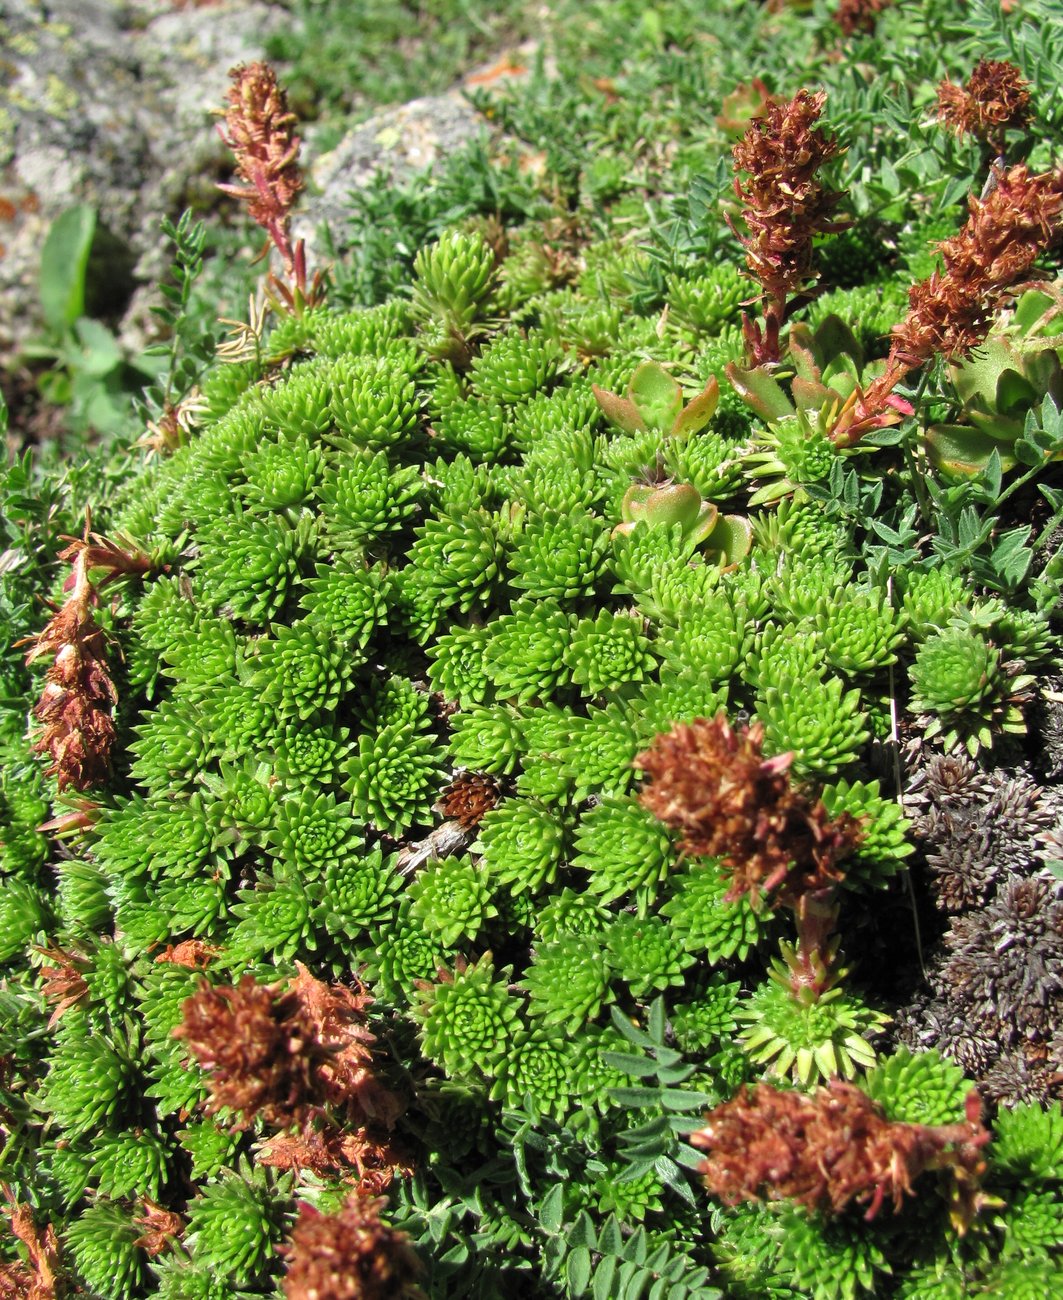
[786, 206]
[950, 313]
[259, 129]
[76, 704]
[835, 1147]
[995, 100]
[175, 425]
[37, 1280]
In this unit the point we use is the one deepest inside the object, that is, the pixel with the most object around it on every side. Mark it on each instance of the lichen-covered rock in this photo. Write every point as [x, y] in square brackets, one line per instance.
[109, 104]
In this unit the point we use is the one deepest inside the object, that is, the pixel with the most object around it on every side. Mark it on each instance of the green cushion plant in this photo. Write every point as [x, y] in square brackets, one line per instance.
[474, 755]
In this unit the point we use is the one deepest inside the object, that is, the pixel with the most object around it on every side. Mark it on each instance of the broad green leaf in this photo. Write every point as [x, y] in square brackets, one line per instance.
[1013, 390]
[64, 259]
[100, 351]
[760, 392]
[835, 339]
[1029, 309]
[656, 1020]
[680, 1099]
[610, 1239]
[632, 1281]
[963, 451]
[636, 1246]
[579, 1270]
[634, 1096]
[604, 1277]
[657, 396]
[638, 1066]
[552, 1208]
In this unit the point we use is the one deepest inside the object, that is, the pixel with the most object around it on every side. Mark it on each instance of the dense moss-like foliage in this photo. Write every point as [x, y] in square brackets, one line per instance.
[422, 585]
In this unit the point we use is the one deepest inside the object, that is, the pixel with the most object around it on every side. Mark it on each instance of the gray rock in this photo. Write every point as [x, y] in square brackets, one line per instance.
[399, 143]
[109, 103]
[402, 141]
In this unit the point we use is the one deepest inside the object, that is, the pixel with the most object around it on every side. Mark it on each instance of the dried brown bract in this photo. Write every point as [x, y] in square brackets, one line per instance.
[995, 100]
[350, 1255]
[854, 16]
[785, 207]
[37, 1279]
[333, 1018]
[63, 981]
[160, 1226]
[714, 785]
[193, 954]
[832, 1148]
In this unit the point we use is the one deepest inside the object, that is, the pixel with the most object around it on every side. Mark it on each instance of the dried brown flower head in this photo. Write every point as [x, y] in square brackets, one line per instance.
[161, 1227]
[468, 799]
[834, 1147]
[785, 207]
[77, 730]
[260, 130]
[300, 1058]
[995, 100]
[949, 314]
[237, 1035]
[286, 1054]
[350, 1255]
[193, 954]
[714, 785]
[329, 1150]
[854, 16]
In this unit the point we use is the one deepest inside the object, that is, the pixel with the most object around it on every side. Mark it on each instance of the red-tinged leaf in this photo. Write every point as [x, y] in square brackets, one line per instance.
[619, 410]
[801, 355]
[811, 395]
[698, 411]
[760, 392]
